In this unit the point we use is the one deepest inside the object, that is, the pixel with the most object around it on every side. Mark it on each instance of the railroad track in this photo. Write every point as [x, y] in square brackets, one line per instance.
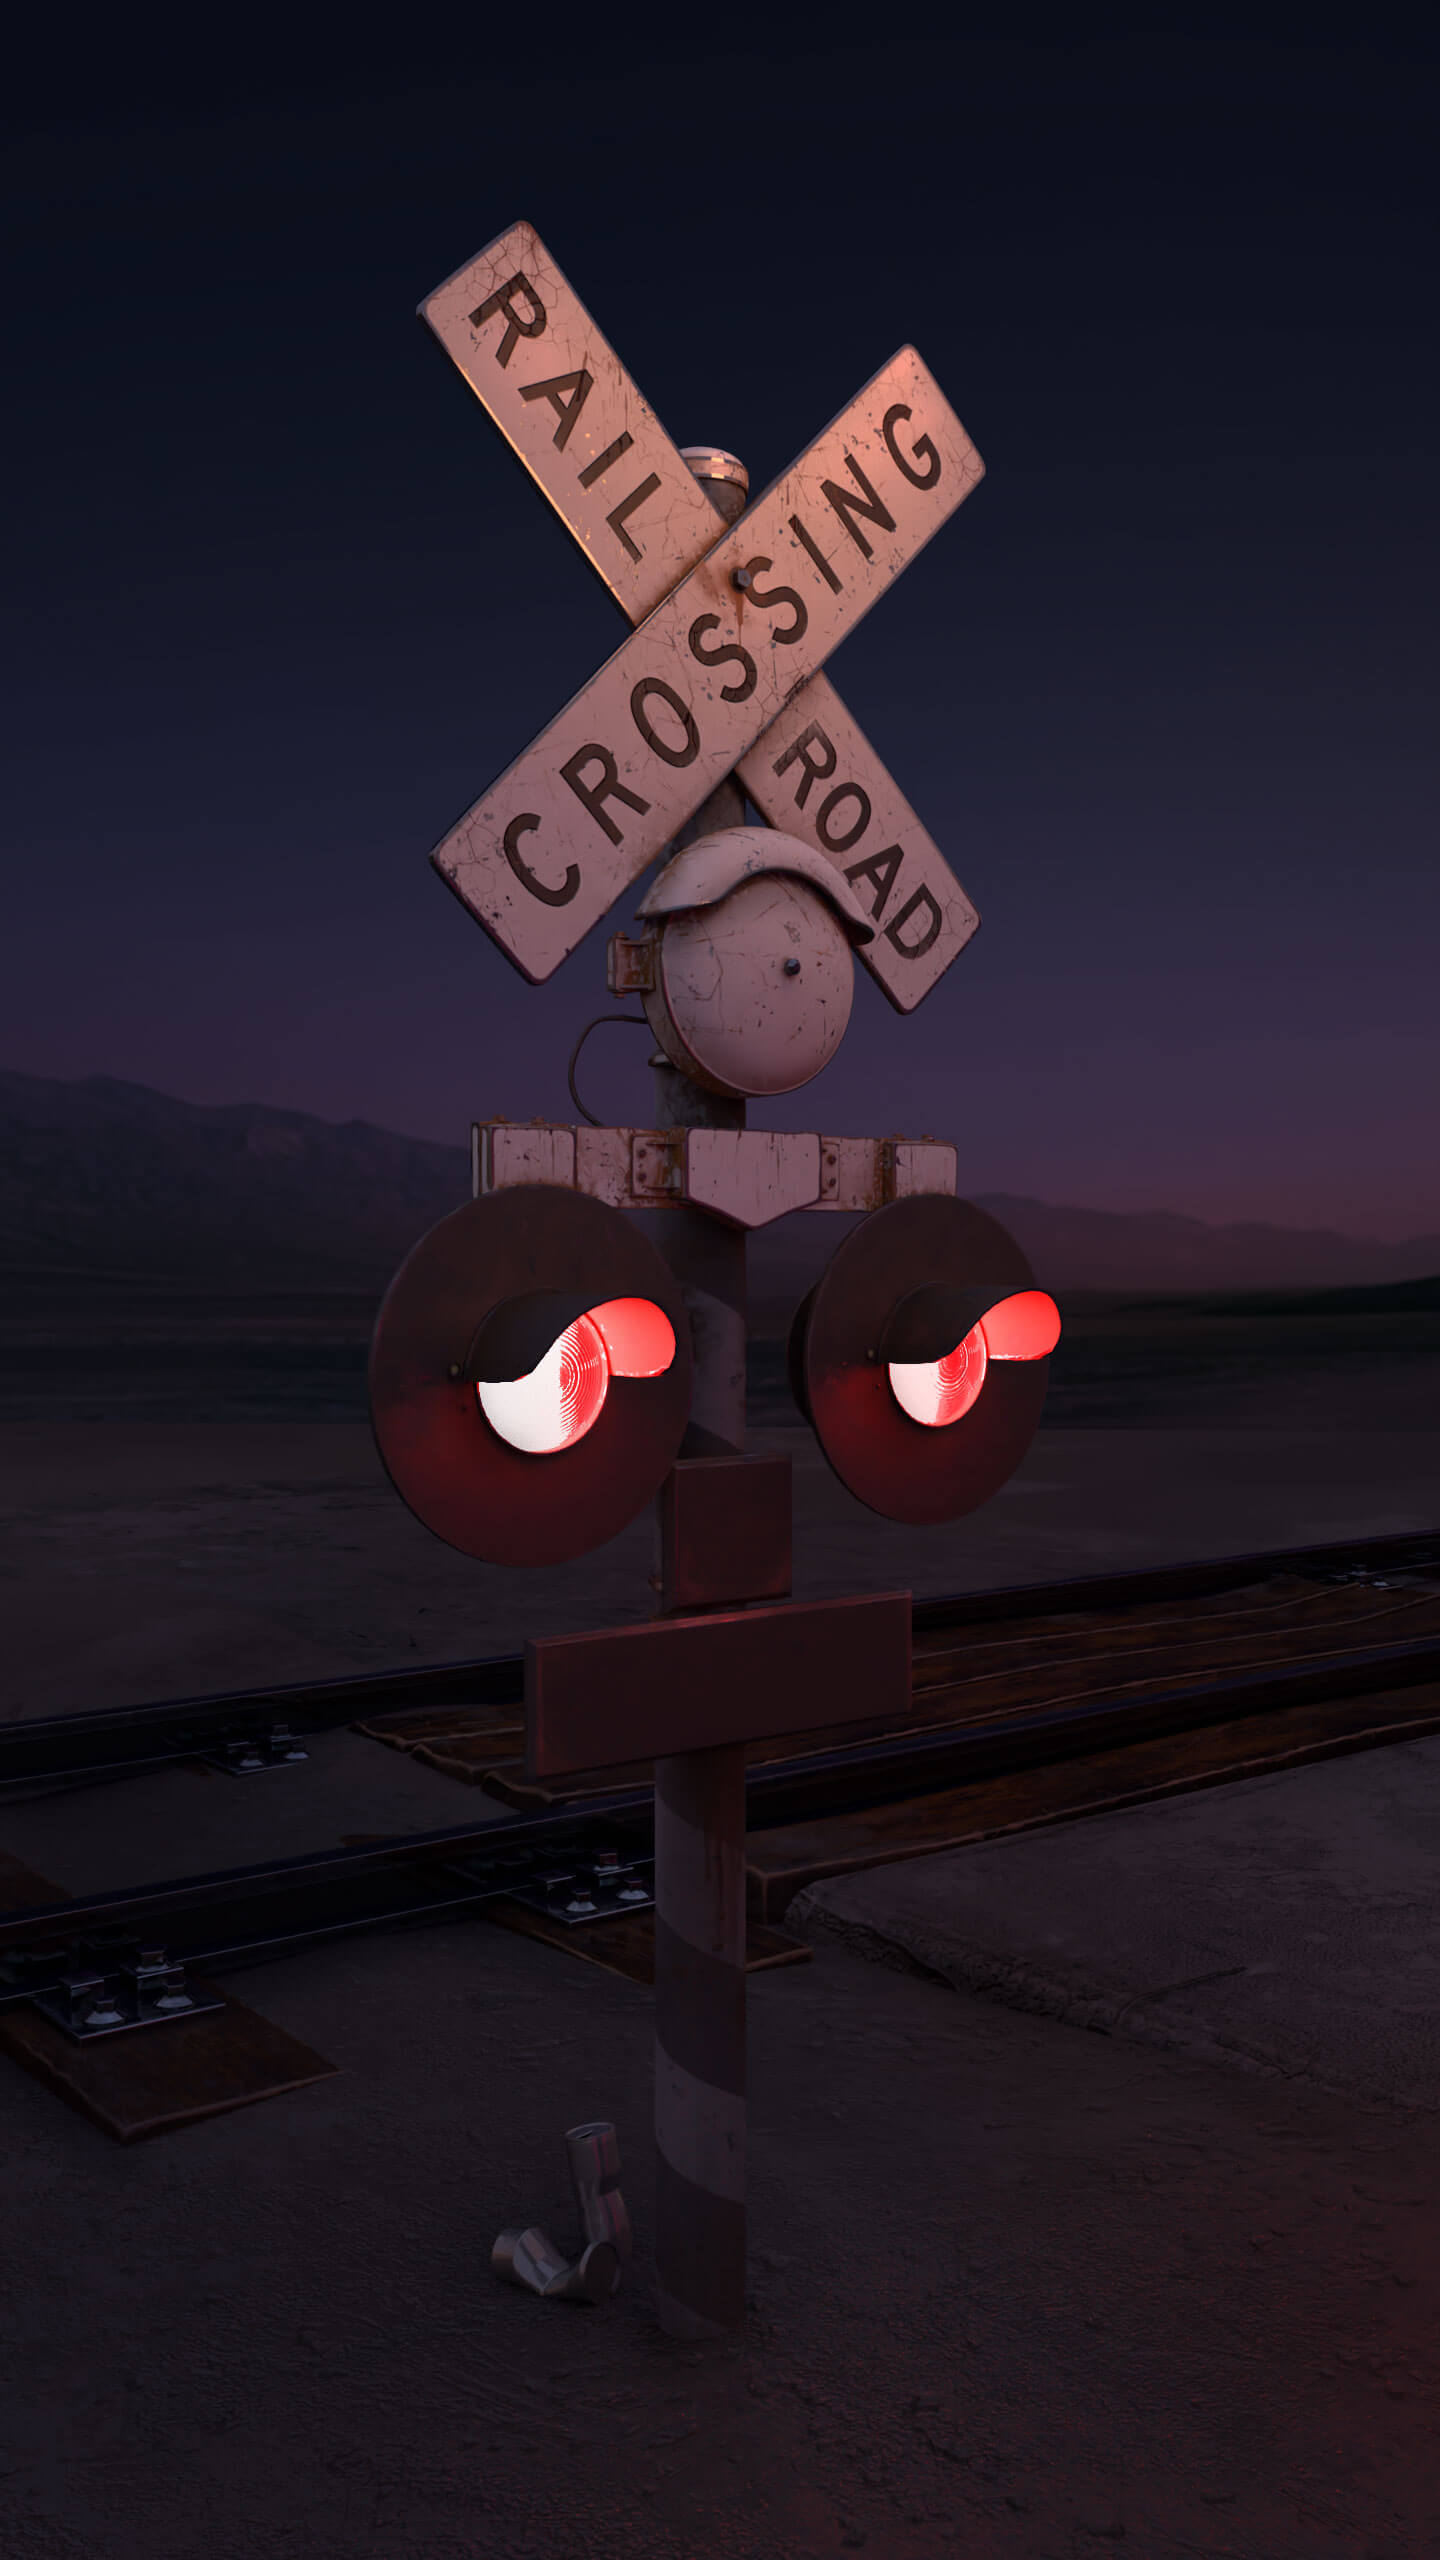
[1030, 1706]
[459, 1715]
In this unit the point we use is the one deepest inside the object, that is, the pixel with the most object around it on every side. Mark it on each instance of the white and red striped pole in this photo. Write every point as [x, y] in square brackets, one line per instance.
[700, 1884]
[700, 1795]
[700, 2041]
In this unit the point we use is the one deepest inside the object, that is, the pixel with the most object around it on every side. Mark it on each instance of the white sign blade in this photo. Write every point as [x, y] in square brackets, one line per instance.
[561, 398]
[601, 792]
[555, 388]
[815, 775]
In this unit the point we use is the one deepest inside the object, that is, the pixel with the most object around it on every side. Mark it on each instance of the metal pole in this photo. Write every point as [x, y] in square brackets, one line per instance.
[700, 1795]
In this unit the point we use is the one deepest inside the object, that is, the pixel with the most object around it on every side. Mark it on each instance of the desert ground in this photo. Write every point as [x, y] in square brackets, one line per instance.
[1018, 2287]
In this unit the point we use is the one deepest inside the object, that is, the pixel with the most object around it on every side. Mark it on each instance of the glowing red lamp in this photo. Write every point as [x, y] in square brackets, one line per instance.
[926, 1315]
[530, 1375]
[638, 1336]
[561, 1398]
[938, 1392]
[1025, 1327]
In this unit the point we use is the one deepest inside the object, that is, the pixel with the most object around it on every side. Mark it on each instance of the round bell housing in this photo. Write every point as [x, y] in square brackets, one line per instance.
[753, 979]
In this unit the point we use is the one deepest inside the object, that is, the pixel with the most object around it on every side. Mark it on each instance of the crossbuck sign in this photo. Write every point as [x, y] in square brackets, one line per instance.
[722, 671]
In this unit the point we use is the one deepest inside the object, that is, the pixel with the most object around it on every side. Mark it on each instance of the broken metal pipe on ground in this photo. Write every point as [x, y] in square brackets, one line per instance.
[530, 2257]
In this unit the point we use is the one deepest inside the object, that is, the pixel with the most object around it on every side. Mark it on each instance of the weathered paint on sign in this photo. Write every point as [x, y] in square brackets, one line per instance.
[560, 396]
[601, 792]
[814, 775]
[558, 393]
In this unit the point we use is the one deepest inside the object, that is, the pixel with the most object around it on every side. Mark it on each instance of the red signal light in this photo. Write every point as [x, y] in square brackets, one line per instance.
[638, 1336]
[530, 1375]
[1025, 1327]
[937, 1392]
[560, 1399]
[927, 1314]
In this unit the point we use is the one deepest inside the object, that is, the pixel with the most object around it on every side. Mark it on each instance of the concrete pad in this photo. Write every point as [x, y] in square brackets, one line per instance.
[1288, 1925]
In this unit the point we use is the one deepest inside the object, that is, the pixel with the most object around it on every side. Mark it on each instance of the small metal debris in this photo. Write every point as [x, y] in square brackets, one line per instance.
[594, 2276]
[593, 2151]
[531, 2259]
[528, 2258]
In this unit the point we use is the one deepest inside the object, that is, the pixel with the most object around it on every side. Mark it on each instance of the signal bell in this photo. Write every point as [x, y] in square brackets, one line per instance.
[921, 1358]
[530, 1375]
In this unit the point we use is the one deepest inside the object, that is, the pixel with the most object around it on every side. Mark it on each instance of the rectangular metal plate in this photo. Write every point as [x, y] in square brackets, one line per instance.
[688, 1684]
[724, 1532]
[922, 1165]
[604, 788]
[750, 1177]
[528, 1154]
[816, 776]
[743, 1177]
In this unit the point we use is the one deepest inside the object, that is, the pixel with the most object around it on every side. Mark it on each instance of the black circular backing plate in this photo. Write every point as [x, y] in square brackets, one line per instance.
[901, 1468]
[440, 1453]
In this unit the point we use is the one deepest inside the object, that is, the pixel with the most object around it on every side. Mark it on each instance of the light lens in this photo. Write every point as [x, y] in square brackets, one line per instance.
[638, 1336]
[1025, 1327]
[937, 1392]
[561, 1398]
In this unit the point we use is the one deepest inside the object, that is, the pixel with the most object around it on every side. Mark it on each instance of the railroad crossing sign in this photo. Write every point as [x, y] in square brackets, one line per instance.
[722, 672]
[536, 1358]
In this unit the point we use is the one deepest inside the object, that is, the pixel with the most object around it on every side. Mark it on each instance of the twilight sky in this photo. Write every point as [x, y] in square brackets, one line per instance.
[1164, 690]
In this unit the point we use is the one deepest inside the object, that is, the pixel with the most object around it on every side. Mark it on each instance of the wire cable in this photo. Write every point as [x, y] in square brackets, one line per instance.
[575, 1057]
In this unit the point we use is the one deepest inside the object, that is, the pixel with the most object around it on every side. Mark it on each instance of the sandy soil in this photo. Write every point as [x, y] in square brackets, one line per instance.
[1018, 2291]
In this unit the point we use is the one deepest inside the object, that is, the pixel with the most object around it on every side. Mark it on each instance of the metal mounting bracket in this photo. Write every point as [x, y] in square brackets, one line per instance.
[744, 1177]
[151, 1992]
[594, 1888]
[242, 1755]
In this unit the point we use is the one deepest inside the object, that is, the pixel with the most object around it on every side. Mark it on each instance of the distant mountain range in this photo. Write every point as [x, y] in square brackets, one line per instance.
[105, 1177]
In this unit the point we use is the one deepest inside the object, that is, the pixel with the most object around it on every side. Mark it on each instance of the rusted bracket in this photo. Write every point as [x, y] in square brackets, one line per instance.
[745, 1177]
[630, 964]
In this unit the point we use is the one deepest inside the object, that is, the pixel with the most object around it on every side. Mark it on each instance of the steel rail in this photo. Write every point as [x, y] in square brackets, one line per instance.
[93, 1746]
[848, 1777]
[245, 1915]
[123, 1742]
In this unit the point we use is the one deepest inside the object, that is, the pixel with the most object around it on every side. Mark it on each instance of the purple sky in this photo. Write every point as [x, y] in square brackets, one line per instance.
[1164, 691]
